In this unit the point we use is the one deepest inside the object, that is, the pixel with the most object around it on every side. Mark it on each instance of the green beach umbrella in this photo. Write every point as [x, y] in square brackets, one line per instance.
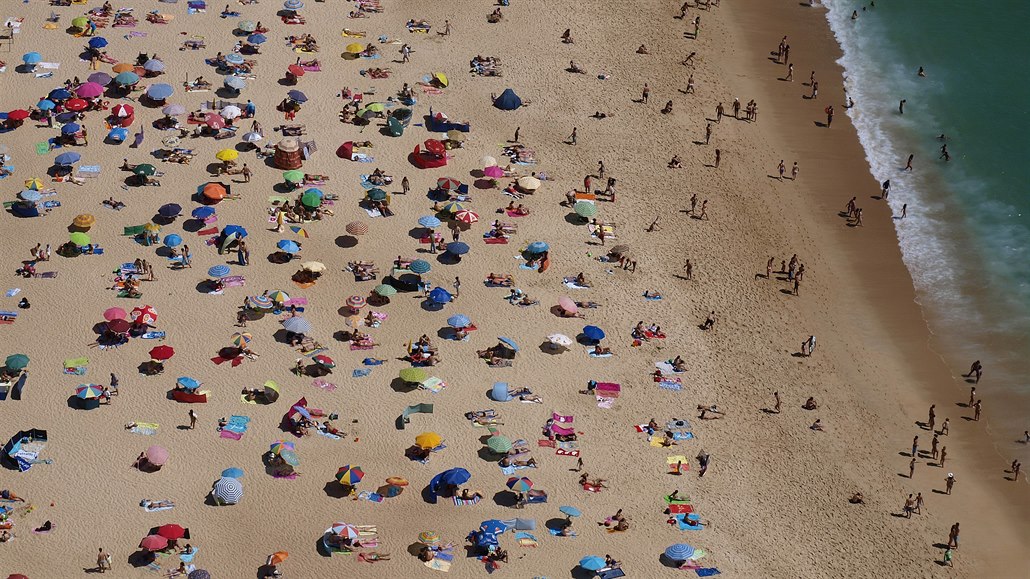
[80, 22]
[499, 444]
[17, 361]
[311, 200]
[413, 375]
[376, 194]
[79, 238]
[145, 169]
[294, 176]
[385, 290]
[585, 209]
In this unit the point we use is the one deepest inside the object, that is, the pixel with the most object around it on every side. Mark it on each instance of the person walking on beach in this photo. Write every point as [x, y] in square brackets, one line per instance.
[797, 285]
[187, 257]
[901, 107]
[904, 210]
[572, 137]
[1016, 465]
[690, 85]
[645, 94]
[736, 108]
[719, 112]
[693, 206]
[933, 447]
[908, 164]
[689, 269]
[790, 73]
[912, 467]
[910, 505]
[776, 407]
[976, 410]
[953, 537]
[944, 427]
[919, 503]
[708, 133]
[794, 172]
[915, 447]
[944, 455]
[103, 561]
[704, 216]
[243, 254]
[193, 419]
[851, 207]
[829, 116]
[769, 268]
[718, 157]
[949, 482]
[932, 417]
[976, 369]
[781, 169]
[815, 91]
[517, 131]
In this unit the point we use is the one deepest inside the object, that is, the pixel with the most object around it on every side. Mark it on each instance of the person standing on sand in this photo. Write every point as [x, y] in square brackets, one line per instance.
[933, 447]
[708, 133]
[901, 107]
[572, 137]
[944, 455]
[704, 216]
[910, 505]
[915, 447]
[829, 116]
[885, 189]
[797, 285]
[919, 503]
[719, 112]
[932, 417]
[949, 482]
[1016, 465]
[912, 467]
[689, 269]
[976, 410]
[851, 207]
[776, 407]
[815, 91]
[790, 73]
[908, 164]
[103, 561]
[718, 157]
[693, 205]
[645, 94]
[781, 169]
[736, 108]
[794, 172]
[690, 85]
[193, 419]
[769, 268]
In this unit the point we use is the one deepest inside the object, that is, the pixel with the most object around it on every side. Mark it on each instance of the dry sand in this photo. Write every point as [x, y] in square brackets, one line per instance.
[776, 492]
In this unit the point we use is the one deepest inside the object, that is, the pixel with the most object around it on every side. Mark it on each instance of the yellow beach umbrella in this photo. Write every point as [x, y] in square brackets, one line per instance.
[123, 67]
[428, 440]
[440, 78]
[355, 47]
[34, 184]
[227, 155]
[84, 221]
[151, 227]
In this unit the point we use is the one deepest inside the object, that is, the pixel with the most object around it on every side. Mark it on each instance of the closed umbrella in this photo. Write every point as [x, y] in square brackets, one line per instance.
[297, 325]
[429, 221]
[428, 440]
[288, 245]
[385, 290]
[84, 221]
[420, 266]
[220, 270]
[227, 490]
[90, 89]
[157, 455]
[357, 228]
[112, 314]
[585, 209]
[350, 475]
[459, 321]
[169, 210]
[499, 444]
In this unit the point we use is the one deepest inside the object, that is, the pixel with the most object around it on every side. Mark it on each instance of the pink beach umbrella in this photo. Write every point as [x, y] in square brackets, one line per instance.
[157, 455]
[494, 172]
[153, 543]
[112, 314]
[568, 304]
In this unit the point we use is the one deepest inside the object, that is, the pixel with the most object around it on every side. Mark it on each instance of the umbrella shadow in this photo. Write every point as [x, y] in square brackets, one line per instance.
[346, 241]
[552, 350]
[431, 306]
[141, 558]
[573, 218]
[487, 455]
[557, 524]
[402, 387]
[192, 225]
[505, 499]
[334, 490]
[417, 232]
[448, 258]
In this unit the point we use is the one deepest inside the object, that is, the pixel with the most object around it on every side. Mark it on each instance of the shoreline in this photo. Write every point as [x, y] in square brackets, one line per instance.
[887, 299]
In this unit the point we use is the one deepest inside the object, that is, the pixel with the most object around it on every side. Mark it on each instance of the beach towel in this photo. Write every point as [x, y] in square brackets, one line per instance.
[433, 384]
[12, 292]
[676, 501]
[673, 385]
[208, 231]
[590, 352]
[324, 385]
[328, 435]
[497, 241]
[157, 335]
[563, 452]
[682, 435]
[557, 533]
[707, 571]
[145, 428]
[371, 497]
[150, 509]
[458, 502]
[438, 564]
[526, 540]
[680, 509]
[653, 298]
[546, 443]
[361, 372]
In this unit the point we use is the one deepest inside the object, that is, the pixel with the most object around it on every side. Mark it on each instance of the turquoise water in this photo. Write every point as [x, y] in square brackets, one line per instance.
[966, 239]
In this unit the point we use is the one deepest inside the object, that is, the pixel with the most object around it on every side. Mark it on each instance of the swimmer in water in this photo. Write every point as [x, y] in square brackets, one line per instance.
[921, 72]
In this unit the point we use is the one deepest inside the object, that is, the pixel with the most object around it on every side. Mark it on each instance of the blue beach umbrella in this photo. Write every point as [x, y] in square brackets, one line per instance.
[220, 270]
[203, 212]
[235, 82]
[297, 325]
[257, 39]
[508, 342]
[296, 95]
[420, 266]
[66, 117]
[233, 472]
[30, 195]
[593, 333]
[46, 105]
[570, 511]
[187, 382]
[288, 245]
[68, 158]
[118, 134]
[126, 78]
[59, 94]
[455, 476]
[440, 296]
[457, 248]
[459, 321]
[538, 247]
[173, 240]
[429, 221]
[97, 42]
[154, 65]
[159, 92]
[293, 5]
[70, 129]
[237, 230]
[32, 58]
[592, 563]
[493, 527]
[679, 552]
[169, 210]
[234, 58]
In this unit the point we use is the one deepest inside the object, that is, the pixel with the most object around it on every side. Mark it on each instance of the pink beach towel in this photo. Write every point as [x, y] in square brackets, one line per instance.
[232, 435]
[561, 418]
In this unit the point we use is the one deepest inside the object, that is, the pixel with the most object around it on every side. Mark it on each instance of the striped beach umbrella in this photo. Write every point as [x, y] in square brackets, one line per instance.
[297, 325]
[467, 217]
[679, 552]
[260, 302]
[220, 270]
[228, 490]
[385, 290]
[88, 391]
[357, 228]
[499, 443]
[519, 484]
[429, 221]
[429, 537]
[278, 296]
[420, 266]
[356, 302]
[350, 475]
[280, 445]
[241, 339]
[345, 530]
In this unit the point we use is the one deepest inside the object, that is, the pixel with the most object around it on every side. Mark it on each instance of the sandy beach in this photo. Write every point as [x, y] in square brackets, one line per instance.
[774, 499]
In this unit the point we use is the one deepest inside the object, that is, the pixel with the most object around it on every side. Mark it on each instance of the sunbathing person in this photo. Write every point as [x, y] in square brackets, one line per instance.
[588, 305]
[469, 495]
[509, 461]
[675, 163]
[679, 365]
[599, 351]
[581, 280]
[643, 49]
[710, 409]
[521, 210]
[501, 279]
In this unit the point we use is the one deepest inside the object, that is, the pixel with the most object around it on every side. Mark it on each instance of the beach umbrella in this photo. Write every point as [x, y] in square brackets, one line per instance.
[30, 195]
[345, 530]
[297, 325]
[413, 375]
[231, 112]
[112, 314]
[234, 58]
[101, 78]
[428, 440]
[350, 475]
[568, 304]
[384, 290]
[80, 22]
[499, 444]
[278, 296]
[19, 362]
[570, 511]
[143, 315]
[457, 248]
[227, 490]
[235, 82]
[508, 342]
[323, 360]
[154, 65]
[455, 476]
[295, 70]
[246, 26]
[313, 266]
[97, 42]
[91, 89]
[220, 270]
[297, 96]
[538, 247]
[488, 161]
[357, 228]
[227, 155]
[233, 472]
[151, 227]
[252, 137]
[88, 391]
[202, 212]
[214, 121]
[560, 340]
[187, 382]
[456, 136]
[459, 321]
[158, 92]
[256, 39]
[234, 231]
[18, 115]
[122, 67]
[70, 129]
[127, 78]
[447, 184]
[452, 207]
[241, 339]
[34, 184]
[585, 209]
[157, 455]
[529, 183]
[171, 532]
[199, 574]
[122, 111]
[260, 302]
[519, 484]
[43, 105]
[153, 543]
[173, 240]
[169, 210]
[592, 563]
[76, 105]
[32, 58]
[293, 5]
[173, 110]
[435, 147]
[355, 48]
[118, 134]
[429, 221]
[119, 326]
[279, 446]
[289, 456]
[376, 194]
[440, 296]
[59, 94]
[356, 302]
[68, 158]
[429, 537]
[493, 527]
[214, 192]
[310, 199]
[420, 266]
[162, 353]
[679, 552]
[467, 217]
[271, 391]
[288, 245]
[494, 171]
[78, 238]
[593, 333]
[278, 557]
[620, 249]
[293, 176]
[145, 169]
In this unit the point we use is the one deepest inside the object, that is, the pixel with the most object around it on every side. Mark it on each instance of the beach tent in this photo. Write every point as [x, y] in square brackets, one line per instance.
[508, 101]
[439, 123]
[22, 451]
[426, 159]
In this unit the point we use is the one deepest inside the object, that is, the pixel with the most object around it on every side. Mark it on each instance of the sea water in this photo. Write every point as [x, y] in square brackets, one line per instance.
[966, 237]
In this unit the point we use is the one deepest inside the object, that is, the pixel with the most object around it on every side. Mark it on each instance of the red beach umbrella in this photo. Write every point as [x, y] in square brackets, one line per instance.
[162, 353]
[171, 532]
[435, 147]
[153, 543]
[214, 120]
[466, 216]
[18, 115]
[76, 105]
[295, 70]
[143, 315]
[445, 183]
[119, 326]
[122, 111]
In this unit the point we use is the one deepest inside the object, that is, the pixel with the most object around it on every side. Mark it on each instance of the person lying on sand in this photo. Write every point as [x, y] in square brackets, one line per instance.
[508, 461]
[599, 351]
[711, 409]
[857, 499]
